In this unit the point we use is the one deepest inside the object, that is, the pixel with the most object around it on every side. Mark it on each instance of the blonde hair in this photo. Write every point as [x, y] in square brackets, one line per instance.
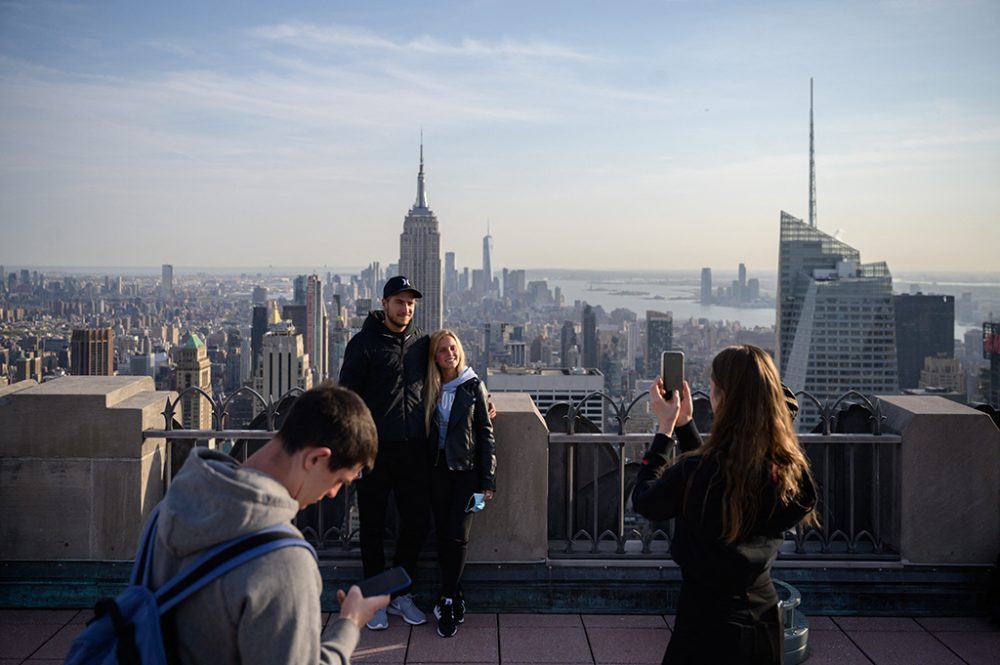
[752, 429]
[432, 382]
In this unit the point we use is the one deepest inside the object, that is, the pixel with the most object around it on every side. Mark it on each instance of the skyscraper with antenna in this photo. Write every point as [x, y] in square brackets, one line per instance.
[835, 327]
[812, 161]
[420, 254]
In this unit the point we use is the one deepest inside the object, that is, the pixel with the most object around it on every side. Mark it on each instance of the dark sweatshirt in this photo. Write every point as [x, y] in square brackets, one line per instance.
[387, 370]
[728, 577]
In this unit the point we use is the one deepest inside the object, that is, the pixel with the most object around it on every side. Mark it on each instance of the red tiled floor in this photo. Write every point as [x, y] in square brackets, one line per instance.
[623, 621]
[541, 620]
[475, 621]
[383, 646]
[832, 647]
[877, 624]
[39, 637]
[21, 640]
[821, 623]
[527, 644]
[469, 645]
[958, 624]
[976, 648]
[628, 645]
[904, 648]
[60, 617]
[58, 645]
[83, 616]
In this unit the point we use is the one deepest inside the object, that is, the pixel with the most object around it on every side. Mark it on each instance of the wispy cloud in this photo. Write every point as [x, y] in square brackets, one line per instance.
[308, 35]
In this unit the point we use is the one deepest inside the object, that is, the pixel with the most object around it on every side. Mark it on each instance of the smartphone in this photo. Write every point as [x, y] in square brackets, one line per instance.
[385, 583]
[476, 503]
[672, 371]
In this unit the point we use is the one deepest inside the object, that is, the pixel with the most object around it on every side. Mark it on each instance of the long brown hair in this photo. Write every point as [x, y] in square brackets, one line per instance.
[432, 382]
[752, 433]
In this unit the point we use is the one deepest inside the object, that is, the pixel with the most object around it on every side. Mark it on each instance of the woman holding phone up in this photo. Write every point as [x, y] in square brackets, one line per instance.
[732, 499]
[464, 465]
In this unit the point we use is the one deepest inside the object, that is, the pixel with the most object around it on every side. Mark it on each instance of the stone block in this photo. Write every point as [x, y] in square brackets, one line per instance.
[45, 509]
[514, 526]
[77, 479]
[949, 504]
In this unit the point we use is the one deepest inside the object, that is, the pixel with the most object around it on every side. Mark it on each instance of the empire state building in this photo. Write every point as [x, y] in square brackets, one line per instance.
[420, 256]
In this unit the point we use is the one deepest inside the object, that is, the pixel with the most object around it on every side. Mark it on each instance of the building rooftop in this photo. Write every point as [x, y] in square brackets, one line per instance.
[33, 637]
[579, 580]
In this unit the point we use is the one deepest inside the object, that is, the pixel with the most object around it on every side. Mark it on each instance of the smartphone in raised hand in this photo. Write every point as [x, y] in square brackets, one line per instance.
[385, 583]
[672, 371]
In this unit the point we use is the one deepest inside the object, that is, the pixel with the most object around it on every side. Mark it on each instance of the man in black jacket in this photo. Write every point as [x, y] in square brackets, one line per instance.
[385, 364]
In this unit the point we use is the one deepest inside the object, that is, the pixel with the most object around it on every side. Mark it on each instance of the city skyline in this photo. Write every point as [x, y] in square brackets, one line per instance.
[603, 134]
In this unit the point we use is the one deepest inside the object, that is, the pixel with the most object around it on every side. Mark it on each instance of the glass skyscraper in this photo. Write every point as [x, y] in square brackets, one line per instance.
[835, 318]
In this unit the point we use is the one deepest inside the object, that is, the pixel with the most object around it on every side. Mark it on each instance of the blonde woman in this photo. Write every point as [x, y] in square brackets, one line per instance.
[732, 500]
[461, 443]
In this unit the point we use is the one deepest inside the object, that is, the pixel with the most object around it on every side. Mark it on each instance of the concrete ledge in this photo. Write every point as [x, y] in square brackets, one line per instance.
[14, 388]
[514, 526]
[949, 480]
[837, 590]
[76, 477]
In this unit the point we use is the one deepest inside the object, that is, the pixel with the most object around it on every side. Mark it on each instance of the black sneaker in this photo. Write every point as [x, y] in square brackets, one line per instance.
[445, 613]
[459, 608]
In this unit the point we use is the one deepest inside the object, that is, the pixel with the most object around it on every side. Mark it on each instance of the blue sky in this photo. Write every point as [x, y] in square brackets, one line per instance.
[615, 135]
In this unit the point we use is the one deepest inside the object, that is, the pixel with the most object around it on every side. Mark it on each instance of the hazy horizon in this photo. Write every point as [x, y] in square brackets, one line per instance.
[622, 136]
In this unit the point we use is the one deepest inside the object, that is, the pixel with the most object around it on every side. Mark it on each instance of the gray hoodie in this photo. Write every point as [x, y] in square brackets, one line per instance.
[268, 609]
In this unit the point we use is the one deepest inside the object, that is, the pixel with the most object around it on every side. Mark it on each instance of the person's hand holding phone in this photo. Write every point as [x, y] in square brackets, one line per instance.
[357, 608]
[685, 414]
[666, 408]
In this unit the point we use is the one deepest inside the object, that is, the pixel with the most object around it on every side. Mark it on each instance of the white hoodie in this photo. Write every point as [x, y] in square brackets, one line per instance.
[447, 399]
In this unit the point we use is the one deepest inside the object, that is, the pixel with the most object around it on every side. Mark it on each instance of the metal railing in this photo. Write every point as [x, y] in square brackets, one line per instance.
[329, 525]
[591, 476]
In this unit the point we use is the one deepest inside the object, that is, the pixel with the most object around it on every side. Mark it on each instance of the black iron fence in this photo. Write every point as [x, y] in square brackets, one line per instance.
[591, 475]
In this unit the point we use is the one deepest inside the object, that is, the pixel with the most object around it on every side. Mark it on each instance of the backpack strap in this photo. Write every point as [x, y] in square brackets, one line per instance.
[143, 565]
[222, 558]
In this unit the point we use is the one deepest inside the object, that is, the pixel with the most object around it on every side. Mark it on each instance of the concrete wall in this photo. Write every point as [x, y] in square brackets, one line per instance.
[76, 477]
[514, 526]
[950, 480]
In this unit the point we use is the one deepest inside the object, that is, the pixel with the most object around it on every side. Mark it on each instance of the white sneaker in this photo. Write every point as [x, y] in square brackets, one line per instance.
[379, 621]
[402, 606]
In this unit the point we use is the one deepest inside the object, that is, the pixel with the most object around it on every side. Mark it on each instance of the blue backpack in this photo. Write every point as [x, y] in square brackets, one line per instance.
[125, 630]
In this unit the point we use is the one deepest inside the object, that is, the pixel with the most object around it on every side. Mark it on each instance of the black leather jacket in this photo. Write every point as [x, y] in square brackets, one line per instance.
[469, 443]
[387, 370]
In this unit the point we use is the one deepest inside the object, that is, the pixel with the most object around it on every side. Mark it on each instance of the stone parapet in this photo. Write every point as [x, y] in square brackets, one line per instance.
[514, 526]
[77, 478]
[949, 481]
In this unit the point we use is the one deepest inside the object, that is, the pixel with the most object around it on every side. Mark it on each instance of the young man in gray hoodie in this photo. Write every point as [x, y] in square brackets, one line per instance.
[268, 609]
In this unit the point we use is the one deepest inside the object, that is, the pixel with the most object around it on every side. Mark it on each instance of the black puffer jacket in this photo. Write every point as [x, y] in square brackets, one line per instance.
[387, 370]
[690, 491]
[469, 443]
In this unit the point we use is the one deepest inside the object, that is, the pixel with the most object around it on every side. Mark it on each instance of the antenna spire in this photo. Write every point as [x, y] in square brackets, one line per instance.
[812, 161]
[421, 191]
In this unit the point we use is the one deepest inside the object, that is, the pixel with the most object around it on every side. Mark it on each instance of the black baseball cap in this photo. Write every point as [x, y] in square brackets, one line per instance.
[398, 284]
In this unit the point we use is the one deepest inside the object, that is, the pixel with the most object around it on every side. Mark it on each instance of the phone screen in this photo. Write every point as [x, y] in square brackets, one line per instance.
[672, 371]
[476, 503]
[389, 581]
